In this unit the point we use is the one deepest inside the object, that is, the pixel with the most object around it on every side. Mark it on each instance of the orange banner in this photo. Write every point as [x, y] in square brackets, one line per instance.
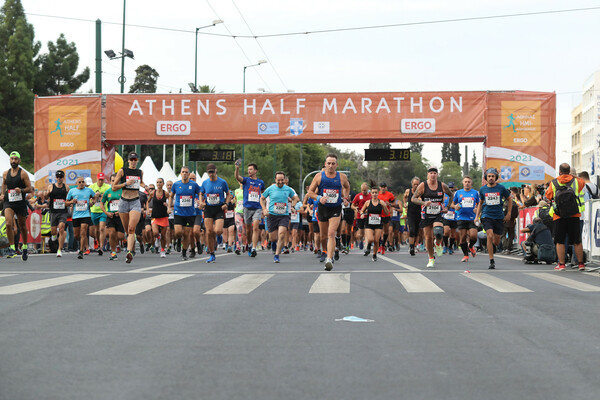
[295, 117]
[67, 137]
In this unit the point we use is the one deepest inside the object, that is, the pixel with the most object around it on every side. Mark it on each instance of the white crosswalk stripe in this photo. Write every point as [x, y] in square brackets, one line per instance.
[45, 283]
[499, 285]
[566, 282]
[331, 283]
[6, 275]
[417, 283]
[241, 285]
[142, 285]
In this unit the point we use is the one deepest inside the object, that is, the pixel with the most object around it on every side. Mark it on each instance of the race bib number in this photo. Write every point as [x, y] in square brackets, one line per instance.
[213, 199]
[374, 219]
[14, 196]
[229, 214]
[253, 196]
[81, 205]
[59, 204]
[280, 208]
[449, 215]
[113, 206]
[332, 195]
[136, 182]
[492, 199]
[185, 201]
[295, 217]
[394, 213]
[433, 209]
[467, 202]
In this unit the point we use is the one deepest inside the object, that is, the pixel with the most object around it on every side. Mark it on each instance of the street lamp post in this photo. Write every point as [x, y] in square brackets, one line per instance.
[244, 90]
[215, 22]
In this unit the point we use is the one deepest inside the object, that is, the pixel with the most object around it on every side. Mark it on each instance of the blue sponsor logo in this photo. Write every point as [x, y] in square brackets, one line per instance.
[268, 128]
[506, 173]
[296, 126]
[72, 174]
[531, 173]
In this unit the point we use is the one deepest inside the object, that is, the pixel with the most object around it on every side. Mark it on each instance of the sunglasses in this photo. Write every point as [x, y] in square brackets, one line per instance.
[133, 159]
[59, 176]
[212, 171]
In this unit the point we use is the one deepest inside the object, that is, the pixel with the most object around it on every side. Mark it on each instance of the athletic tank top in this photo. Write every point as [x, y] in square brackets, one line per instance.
[374, 214]
[230, 212]
[436, 197]
[331, 189]
[13, 182]
[135, 174]
[159, 210]
[412, 209]
[57, 198]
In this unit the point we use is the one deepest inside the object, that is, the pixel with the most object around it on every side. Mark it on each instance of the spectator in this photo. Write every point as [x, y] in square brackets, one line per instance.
[591, 190]
[539, 234]
[509, 227]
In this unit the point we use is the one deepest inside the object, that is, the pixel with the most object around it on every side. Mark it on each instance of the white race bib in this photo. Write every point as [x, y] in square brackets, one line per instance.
[468, 202]
[280, 208]
[433, 209]
[332, 195]
[81, 205]
[14, 196]
[229, 214]
[254, 196]
[295, 217]
[59, 204]
[185, 201]
[136, 182]
[113, 206]
[374, 219]
[213, 199]
[394, 213]
[492, 199]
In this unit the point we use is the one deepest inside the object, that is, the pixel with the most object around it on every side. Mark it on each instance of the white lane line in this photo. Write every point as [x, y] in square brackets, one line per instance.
[176, 263]
[417, 283]
[331, 283]
[499, 285]
[6, 275]
[141, 285]
[398, 263]
[561, 280]
[45, 283]
[243, 284]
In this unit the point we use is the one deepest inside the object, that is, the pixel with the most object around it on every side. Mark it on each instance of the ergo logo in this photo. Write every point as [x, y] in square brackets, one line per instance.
[417, 125]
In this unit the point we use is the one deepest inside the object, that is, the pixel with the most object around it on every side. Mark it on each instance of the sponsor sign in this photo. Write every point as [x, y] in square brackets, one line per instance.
[321, 127]
[173, 128]
[268, 128]
[531, 173]
[417, 125]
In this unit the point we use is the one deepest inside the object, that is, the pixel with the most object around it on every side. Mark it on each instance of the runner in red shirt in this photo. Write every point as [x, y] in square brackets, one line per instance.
[389, 198]
[357, 204]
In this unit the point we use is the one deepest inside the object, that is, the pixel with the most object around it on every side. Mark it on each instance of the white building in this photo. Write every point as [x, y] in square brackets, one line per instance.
[590, 125]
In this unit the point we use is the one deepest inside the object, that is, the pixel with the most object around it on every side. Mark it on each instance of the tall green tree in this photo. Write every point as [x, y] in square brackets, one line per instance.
[451, 152]
[451, 172]
[17, 71]
[145, 81]
[56, 70]
[416, 147]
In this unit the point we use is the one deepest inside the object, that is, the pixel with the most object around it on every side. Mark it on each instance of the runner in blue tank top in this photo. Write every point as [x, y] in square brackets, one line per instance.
[216, 196]
[329, 188]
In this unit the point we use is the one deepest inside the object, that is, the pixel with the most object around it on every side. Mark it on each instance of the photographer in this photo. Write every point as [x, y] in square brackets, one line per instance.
[539, 235]
[528, 196]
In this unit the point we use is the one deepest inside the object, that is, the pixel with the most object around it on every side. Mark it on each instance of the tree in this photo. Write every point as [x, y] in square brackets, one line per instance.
[416, 147]
[451, 152]
[451, 172]
[56, 69]
[475, 172]
[17, 51]
[145, 80]
[380, 145]
[474, 163]
[206, 89]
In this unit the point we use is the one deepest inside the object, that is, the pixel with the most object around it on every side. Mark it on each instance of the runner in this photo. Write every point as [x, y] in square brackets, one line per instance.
[114, 226]
[394, 238]
[130, 179]
[466, 201]
[413, 215]
[171, 231]
[449, 222]
[15, 186]
[57, 195]
[98, 227]
[184, 192]
[329, 188]
[80, 197]
[277, 212]
[229, 223]
[295, 225]
[386, 217]
[490, 211]
[252, 211]
[215, 193]
[240, 228]
[374, 209]
[347, 223]
[432, 206]
[358, 202]
[158, 201]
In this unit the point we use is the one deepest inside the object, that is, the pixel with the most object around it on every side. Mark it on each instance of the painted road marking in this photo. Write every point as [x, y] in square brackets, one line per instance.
[566, 282]
[45, 283]
[398, 263]
[499, 285]
[241, 285]
[142, 285]
[331, 283]
[417, 283]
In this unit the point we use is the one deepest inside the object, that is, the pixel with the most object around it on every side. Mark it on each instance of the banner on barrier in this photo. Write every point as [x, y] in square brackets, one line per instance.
[595, 228]
[525, 219]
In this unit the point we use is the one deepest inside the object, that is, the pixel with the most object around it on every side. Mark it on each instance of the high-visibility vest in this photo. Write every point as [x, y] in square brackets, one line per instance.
[2, 227]
[46, 224]
[575, 186]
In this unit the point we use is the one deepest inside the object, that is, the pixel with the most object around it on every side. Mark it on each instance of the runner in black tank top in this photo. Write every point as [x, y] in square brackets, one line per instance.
[159, 202]
[373, 210]
[15, 186]
[413, 215]
[430, 196]
[58, 210]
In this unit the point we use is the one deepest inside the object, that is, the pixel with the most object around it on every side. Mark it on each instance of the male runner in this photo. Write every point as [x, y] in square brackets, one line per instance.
[15, 186]
[386, 216]
[182, 204]
[490, 211]
[57, 197]
[80, 198]
[432, 206]
[216, 195]
[277, 212]
[329, 188]
[252, 210]
[98, 227]
[413, 215]
[358, 202]
[466, 201]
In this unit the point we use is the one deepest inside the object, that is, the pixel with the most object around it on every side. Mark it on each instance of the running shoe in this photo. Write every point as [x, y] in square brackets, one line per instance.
[142, 249]
[581, 267]
[59, 253]
[162, 254]
[450, 250]
[184, 256]
[80, 255]
[253, 253]
[249, 253]
[367, 252]
[473, 251]
[168, 251]
[323, 257]
[152, 249]
[328, 264]
[492, 264]
[211, 259]
[113, 256]
[465, 259]
[100, 252]
[238, 252]
[361, 245]
[24, 255]
[431, 263]
[336, 255]
[412, 251]
[286, 250]
[382, 250]
[444, 250]
[439, 250]
[200, 247]
[229, 249]
[276, 259]
[87, 252]
[128, 257]
[11, 253]
[374, 258]
[560, 267]
[193, 252]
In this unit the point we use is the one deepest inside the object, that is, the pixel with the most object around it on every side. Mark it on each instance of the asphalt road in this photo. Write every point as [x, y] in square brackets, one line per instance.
[245, 328]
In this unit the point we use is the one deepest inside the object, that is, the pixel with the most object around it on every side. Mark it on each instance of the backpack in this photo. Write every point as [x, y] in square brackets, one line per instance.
[593, 195]
[566, 202]
[546, 253]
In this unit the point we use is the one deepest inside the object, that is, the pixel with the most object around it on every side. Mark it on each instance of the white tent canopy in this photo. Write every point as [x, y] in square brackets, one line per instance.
[151, 174]
[5, 164]
[166, 172]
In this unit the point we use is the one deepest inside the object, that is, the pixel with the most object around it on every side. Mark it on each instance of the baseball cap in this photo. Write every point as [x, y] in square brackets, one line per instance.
[383, 184]
[133, 155]
[210, 167]
[15, 154]
[451, 185]
[100, 175]
[432, 169]
[88, 181]
[60, 174]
